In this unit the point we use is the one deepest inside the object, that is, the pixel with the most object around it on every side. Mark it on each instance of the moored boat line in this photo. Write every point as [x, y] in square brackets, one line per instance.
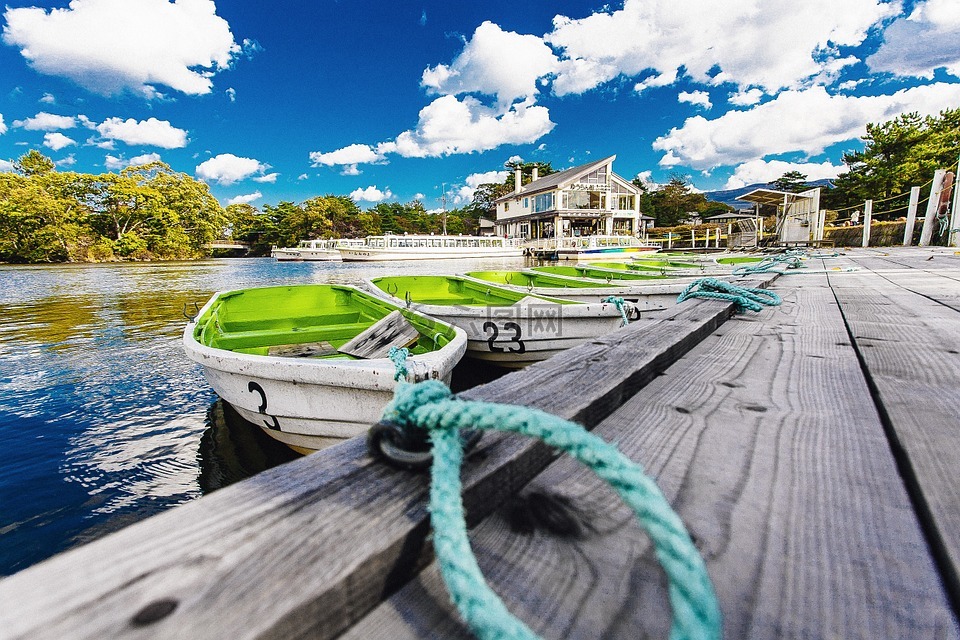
[504, 327]
[277, 356]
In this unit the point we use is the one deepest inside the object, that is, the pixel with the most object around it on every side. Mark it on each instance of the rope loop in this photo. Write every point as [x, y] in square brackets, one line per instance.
[430, 406]
[746, 298]
[619, 303]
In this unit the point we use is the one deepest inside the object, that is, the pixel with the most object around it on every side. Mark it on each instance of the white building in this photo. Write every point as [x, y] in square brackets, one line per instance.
[586, 200]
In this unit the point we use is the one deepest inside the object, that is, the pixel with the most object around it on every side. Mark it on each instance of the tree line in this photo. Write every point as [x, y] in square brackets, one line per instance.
[153, 212]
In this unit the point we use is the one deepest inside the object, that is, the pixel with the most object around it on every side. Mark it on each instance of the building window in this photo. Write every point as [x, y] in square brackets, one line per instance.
[542, 202]
[625, 203]
[526, 203]
[506, 206]
[584, 200]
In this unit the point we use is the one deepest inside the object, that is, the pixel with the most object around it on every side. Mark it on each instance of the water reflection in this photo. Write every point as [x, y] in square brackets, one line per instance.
[232, 449]
[102, 416]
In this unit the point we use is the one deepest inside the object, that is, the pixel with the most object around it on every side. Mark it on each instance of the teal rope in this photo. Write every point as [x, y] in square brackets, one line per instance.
[399, 355]
[430, 405]
[745, 297]
[619, 303]
[791, 260]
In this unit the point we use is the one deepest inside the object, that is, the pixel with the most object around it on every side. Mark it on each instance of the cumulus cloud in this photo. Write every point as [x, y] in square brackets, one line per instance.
[927, 39]
[763, 171]
[44, 121]
[449, 125]
[696, 98]
[245, 199]
[231, 94]
[111, 46]
[746, 98]
[113, 162]
[269, 177]
[350, 170]
[474, 180]
[48, 98]
[6, 166]
[804, 121]
[227, 168]
[711, 42]
[371, 194]
[353, 154]
[57, 141]
[69, 161]
[3, 126]
[494, 62]
[151, 132]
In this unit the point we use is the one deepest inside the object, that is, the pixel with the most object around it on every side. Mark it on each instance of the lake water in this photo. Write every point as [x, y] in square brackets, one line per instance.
[103, 419]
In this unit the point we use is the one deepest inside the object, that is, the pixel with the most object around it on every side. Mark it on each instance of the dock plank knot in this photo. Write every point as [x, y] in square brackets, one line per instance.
[746, 298]
[430, 406]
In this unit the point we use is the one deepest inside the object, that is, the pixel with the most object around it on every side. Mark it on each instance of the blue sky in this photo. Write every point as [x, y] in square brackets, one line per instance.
[271, 101]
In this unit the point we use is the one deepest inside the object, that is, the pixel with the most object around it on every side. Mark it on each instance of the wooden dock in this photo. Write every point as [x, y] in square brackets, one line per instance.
[811, 449]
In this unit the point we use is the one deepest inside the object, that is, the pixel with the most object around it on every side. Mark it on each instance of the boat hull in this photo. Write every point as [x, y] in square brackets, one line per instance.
[308, 402]
[440, 253]
[305, 255]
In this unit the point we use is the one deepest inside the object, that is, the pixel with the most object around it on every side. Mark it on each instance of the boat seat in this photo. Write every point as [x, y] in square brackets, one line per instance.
[270, 337]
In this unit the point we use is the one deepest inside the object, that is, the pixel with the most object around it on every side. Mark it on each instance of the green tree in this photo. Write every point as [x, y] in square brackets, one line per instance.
[33, 163]
[791, 181]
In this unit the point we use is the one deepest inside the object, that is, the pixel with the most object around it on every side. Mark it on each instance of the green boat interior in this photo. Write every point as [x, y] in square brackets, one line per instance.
[253, 320]
[452, 291]
[740, 259]
[527, 279]
[597, 273]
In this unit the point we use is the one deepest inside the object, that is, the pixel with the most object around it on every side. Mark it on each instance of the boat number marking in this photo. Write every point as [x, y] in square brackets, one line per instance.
[507, 326]
[254, 387]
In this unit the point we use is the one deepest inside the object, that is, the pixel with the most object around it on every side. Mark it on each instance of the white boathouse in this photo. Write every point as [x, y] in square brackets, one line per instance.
[582, 201]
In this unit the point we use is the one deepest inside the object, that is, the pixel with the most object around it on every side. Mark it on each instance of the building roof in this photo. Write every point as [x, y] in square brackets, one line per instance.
[559, 179]
[732, 215]
[771, 196]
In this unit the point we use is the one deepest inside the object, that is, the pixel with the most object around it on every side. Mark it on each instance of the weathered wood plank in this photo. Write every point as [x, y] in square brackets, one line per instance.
[766, 441]
[304, 350]
[393, 330]
[306, 549]
[910, 345]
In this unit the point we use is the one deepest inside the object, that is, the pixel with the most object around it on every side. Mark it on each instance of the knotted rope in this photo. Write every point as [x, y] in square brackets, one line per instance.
[399, 356]
[791, 260]
[431, 406]
[744, 297]
[621, 307]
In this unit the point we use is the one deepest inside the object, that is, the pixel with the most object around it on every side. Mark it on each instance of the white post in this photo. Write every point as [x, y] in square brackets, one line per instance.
[729, 233]
[911, 216]
[955, 216]
[867, 212]
[693, 239]
[932, 203]
[821, 224]
[669, 240]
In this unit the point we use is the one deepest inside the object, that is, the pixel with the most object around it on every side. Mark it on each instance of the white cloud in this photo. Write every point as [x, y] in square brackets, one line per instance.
[711, 42]
[764, 171]
[352, 154]
[113, 162]
[151, 132]
[350, 170]
[371, 194]
[44, 121]
[746, 98]
[69, 161]
[48, 98]
[419, 196]
[494, 62]
[450, 126]
[696, 98]
[245, 199]
[303, 176]
[474, 180]
[3, 126]
[231, 94]
[109, 46]
[927, 39]
[57, 141]
[269, 177]
[227, 168]
[6, 166]
[796, 121]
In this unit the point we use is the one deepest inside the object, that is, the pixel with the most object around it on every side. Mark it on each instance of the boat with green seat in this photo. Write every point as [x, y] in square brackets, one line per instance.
[278, 356]
[644, 297]
[600, 274]
[506, 327]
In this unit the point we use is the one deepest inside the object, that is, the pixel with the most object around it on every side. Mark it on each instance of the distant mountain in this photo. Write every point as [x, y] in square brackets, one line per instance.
[729, 196]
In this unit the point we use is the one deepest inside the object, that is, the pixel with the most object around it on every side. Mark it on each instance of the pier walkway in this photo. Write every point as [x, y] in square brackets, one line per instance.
[812, 450]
